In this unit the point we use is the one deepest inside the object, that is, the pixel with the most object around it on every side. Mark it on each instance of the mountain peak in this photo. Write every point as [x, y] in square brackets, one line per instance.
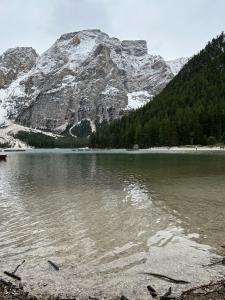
[84, 75]
[15, 61]
[91, 33]
[176, 64]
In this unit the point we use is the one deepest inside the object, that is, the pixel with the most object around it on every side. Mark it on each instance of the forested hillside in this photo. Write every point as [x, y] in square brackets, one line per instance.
[190, 110]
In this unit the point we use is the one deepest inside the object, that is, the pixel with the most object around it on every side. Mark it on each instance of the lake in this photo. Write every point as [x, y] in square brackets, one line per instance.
[107, 218]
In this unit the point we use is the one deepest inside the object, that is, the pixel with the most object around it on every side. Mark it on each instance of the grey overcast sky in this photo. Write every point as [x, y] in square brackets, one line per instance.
[172, 28]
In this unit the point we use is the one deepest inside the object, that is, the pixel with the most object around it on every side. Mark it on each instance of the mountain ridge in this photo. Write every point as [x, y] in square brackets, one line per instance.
[84, 75]
[190, 110]
[177, 64]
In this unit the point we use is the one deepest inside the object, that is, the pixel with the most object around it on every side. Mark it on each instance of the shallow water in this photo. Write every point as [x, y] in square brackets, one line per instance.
[106, 218]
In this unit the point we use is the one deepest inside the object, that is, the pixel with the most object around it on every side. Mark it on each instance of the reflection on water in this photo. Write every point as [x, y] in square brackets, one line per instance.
[106, 219]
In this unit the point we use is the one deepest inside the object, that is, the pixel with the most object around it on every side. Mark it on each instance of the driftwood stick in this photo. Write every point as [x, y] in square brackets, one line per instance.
[123, 298]
[152, 291]
[204, 286]
[12, 275]
[53, 265]
[168, 293]
[160, 276]
[18, 267]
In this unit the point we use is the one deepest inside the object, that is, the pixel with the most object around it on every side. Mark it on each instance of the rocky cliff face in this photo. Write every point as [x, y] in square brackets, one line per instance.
[15, 61]
[85, 75]
[14, 64]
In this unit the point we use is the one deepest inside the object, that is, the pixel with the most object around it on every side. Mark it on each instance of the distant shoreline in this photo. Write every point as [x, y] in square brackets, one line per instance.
[189, 148]
[174, 149]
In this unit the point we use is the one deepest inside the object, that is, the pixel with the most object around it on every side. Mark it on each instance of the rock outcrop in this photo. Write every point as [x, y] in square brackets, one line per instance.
[85, 75]
[15, 61]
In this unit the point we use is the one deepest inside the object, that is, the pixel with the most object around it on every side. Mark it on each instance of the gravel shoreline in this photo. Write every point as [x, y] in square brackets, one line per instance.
[212, 291]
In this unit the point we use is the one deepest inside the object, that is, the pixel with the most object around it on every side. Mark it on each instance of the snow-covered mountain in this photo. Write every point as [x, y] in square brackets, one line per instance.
[177, 64]
[14, 63]
[85, 75]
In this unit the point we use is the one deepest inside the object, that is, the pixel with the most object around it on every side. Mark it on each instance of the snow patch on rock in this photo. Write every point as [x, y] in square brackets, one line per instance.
[110, 90]
[3, 116]
[13, 98]
[138, 99]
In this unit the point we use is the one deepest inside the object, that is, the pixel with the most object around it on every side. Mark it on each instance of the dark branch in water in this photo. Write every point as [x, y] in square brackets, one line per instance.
[152, 291]
[167, 296]
[168, 293]
[211, 284]
[160, 276]
[12, 275]
[16, 269]
[53, 265]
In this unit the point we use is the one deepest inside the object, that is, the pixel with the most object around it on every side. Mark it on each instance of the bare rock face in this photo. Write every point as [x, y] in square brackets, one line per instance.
[135, 48]
[85, 75]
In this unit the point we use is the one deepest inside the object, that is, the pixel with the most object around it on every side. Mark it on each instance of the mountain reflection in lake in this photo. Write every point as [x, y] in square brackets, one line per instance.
[107, 218]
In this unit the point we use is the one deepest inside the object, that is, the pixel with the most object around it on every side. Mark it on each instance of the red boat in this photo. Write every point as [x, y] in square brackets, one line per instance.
[3, 157]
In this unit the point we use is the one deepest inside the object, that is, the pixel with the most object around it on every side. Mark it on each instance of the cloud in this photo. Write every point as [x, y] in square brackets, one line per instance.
[172, 28]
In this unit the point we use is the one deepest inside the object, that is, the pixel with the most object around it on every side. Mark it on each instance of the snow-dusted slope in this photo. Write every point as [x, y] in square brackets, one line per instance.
[15, 65]
[84, 75]
[138, 99]
[177, 64]
[15, 61]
